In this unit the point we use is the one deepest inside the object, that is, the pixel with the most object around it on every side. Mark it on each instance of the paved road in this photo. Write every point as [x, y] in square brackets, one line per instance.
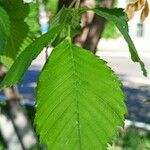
[136, 87]
[122, 64]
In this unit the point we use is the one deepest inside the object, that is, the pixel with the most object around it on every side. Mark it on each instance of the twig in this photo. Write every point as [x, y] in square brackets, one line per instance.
[72, 4]
[46, 53]
[77, 3]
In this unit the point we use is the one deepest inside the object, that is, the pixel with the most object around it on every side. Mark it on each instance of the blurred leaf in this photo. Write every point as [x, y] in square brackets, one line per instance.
[147, 101]
[4, 29]
[119, 18]
[23, 61]
[2, 103]
[1, 146]
[133, 138]
[79, 100]
[6, 61]
[32, 20]
[110, 31]
[51, 5]
[19, 31]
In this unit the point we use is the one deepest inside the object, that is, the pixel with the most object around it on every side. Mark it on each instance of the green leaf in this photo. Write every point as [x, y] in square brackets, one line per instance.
[24, 60]
[67, 17]
[4, 29]
[19, 31]
[6, 61]
[119, 18]
[21, 64]
[32, 20]
[110, 31]
[79, 101]
[52, 6]
[2, 103]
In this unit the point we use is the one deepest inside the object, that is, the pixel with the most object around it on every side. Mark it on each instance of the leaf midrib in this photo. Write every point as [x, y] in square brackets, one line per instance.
[76, 93]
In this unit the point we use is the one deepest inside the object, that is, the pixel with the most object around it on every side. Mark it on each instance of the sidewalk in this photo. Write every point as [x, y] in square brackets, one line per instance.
[122, 53]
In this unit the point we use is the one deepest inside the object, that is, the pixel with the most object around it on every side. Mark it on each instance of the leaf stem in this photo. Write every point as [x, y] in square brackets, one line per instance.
[69, 34]
[69, 31]
[46, 53]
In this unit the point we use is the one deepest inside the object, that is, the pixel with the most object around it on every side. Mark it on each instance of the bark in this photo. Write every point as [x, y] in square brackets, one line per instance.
[95, 29]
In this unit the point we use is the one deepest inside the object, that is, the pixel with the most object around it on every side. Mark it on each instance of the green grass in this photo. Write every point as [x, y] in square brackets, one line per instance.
[133, 139]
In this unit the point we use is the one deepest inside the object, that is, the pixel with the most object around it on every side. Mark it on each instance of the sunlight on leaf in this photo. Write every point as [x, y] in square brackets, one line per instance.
[79, 100]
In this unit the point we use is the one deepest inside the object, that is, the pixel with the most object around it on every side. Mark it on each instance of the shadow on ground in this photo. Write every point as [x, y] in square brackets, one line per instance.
[138, 108]
[28, 84]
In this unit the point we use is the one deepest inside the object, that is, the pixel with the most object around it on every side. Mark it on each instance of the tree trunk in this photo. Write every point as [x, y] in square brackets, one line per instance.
[15, 127]
[96, 28]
